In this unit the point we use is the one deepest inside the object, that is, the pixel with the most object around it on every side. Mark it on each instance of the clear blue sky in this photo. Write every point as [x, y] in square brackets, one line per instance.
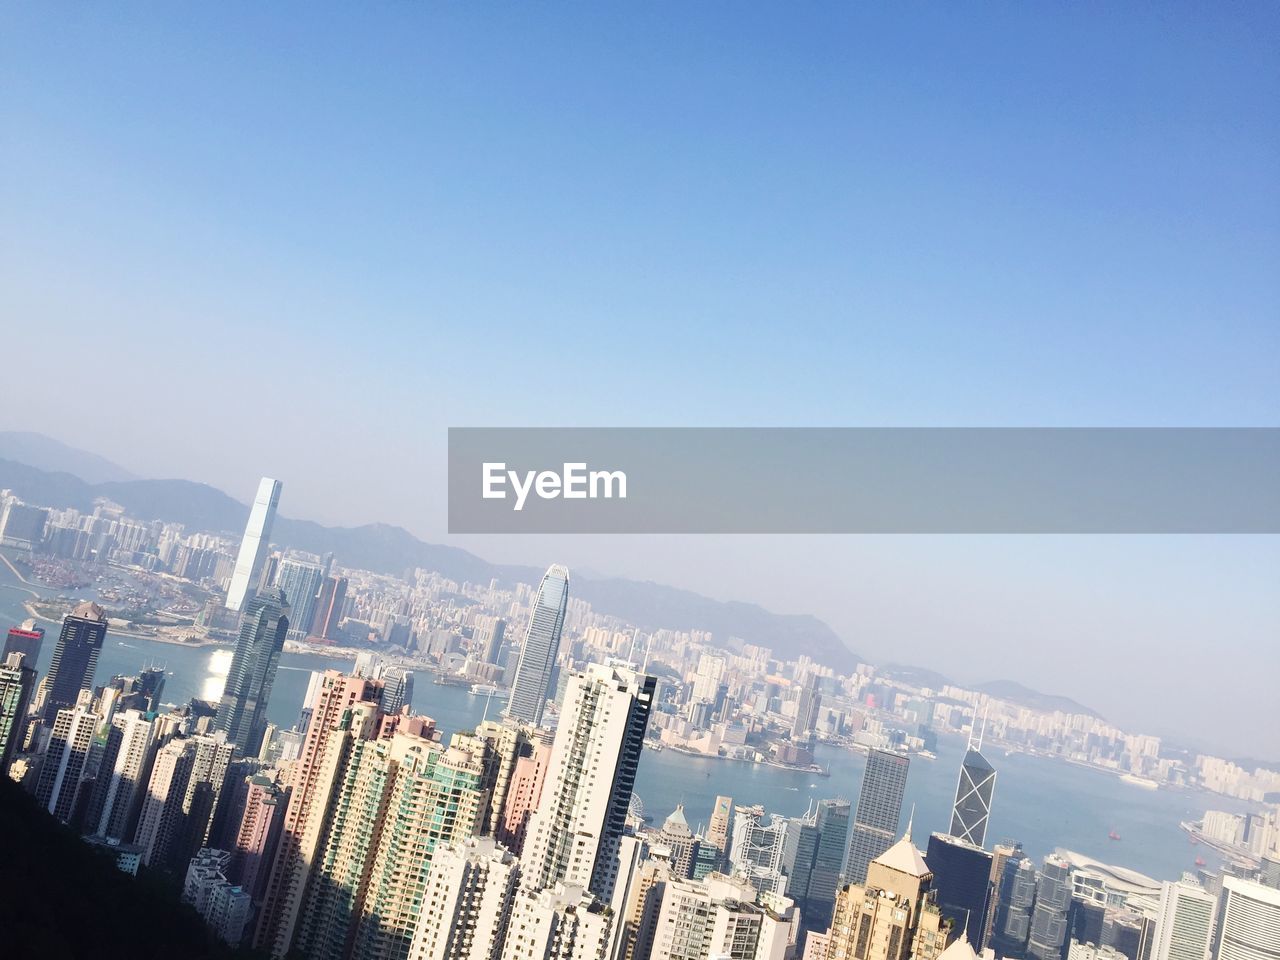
[303, 240]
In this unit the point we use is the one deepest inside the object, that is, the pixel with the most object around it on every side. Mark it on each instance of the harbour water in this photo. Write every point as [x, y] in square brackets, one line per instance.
[1043, 803]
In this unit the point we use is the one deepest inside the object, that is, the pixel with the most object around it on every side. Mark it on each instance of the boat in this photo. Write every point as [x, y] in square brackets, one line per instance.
[1200, 862]
[488, 690]
[1113, 835]
[1145, 782]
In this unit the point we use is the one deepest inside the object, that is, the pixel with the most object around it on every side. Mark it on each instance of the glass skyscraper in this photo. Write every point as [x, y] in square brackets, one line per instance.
[242, 711]
[962, 879]
[875, 824]
[253, 546]
[301, 581]
[1049, 919]
[541, 646]
[972, 810]
[75, 658]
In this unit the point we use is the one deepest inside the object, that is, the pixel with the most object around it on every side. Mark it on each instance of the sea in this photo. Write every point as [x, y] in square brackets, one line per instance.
[1041, 802]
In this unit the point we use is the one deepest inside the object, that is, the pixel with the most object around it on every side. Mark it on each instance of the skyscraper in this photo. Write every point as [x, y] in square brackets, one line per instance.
[301, 580]
[17, 682]
[541, 646]
[254, 544]
[813, 858]
[1250, 928]
[879, 810]
[962, 880]
[75, 658]
[329, 602]
[1017, 902]
[242, 711]
[1049, 919]
[129, 775]
[61, 773]
[26, 640]
[1184, 925]
[573, 835]
[972, 810]
[490, 632]
[467, 902]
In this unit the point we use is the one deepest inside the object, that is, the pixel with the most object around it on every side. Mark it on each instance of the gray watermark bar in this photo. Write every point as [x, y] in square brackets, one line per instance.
[864, 480]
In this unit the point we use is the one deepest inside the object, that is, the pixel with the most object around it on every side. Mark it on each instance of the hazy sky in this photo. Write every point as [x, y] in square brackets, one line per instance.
[303, 241]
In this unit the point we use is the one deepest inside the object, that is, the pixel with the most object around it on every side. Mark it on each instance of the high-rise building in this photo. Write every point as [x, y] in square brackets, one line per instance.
[242, 711]
[974, 792]
[1049, 927]
[17, 683]
[758, 848]
[258, 834]
[561, 923]
[225, 906]
[1016, 904]
[75, 659]
[893, 914]
[253, 546]
[397, 689]
[676, 836]
[524, 793]
[467, 902]
[436, 799]
[717, 917]
[59, 786]
[328, 608]
[879, 811]
[26, 640]
[532, 683]
[301, 580]
[719, 827]
[813, 858]
[129, 775]
[573, 835]
[1250, 927]
[962, 881]
[1184, 924]
[311, 780]
[489, 634]
[1001, 854]
[160, 821]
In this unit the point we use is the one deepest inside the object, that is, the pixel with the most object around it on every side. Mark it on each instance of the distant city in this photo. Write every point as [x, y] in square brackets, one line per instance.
[362, 831]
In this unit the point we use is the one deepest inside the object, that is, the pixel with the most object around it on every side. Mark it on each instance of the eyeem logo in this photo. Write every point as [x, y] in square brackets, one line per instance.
[575, 482]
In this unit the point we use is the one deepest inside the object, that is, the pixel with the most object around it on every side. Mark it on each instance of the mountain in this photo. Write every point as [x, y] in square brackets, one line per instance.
[387, 549]
[55, 456]
[1024, 696]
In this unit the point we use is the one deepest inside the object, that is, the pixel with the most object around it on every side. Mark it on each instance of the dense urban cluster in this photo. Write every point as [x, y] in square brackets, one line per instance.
[365, 832]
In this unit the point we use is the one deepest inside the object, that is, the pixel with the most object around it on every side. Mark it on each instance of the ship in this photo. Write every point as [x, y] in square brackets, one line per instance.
[1113, 835]
[488, 690]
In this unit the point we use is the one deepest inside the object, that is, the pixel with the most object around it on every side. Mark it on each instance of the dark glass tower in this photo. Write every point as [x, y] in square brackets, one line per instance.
[972, 810]
[875, 825]
[75, 658]
[242, 711]
[1017, 901]
[1049, 921]
[541, 646]
[813, 858]
[962, 879]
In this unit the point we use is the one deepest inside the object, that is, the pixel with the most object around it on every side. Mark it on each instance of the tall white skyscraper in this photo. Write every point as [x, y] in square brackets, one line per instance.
[573, 836]
[253, 547]
[541, 646]
[1250, 921]
[1184, 927]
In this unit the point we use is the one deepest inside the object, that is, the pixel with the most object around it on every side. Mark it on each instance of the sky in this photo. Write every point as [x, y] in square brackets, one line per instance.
[304, 240]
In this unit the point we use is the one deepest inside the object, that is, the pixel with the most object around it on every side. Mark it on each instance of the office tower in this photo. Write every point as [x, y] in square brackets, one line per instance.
[160, 821]
[259, 833]
[720, 825]
[807, 704]
[1049, 919]
[813, 859]
[333, 594]
[1017, 902]
[490, 632]
[1001, 854]
[893, 915]
[341, 873]
[1184, 923]
[253, 546]
[561, 923]
[1250, 928]
[26, 640]
[574, 833]
[972, 810]
[142, 692]
[537, 665]
[17, 682]
[301, 581]
[437, 799]
[127, 781]
[242, 711]
[758, 848]
[676, 836]
[62, 773]
[311, 781]
[75, 658]
[524, 793]
[225, 906]
[717, 917]
[206, 786]
[22, 525]
[468, 900]
[397, 689]
[875, 822]
[962, 882]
